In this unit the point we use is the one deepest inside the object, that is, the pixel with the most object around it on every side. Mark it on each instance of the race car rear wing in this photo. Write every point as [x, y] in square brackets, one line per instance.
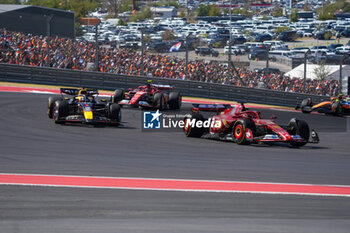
[210, 107]
[163, 87]
[77, 91]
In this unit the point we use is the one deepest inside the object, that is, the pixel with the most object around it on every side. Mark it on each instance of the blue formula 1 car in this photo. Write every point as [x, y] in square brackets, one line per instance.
[82, 107]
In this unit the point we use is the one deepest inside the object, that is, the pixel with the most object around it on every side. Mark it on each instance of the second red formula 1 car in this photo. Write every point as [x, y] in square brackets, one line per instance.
[149, 96]
[244, 126]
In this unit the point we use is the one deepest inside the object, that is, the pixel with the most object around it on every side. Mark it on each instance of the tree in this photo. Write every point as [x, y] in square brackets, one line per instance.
[78, 29]
[328, 35]
[167, 3]
[294, 17]
[339, 5]
[80, 7]
[214, 10]
[277, 11]
[168, 35]
[307, 7]
[265, 17]
[247, 4]
[226, 11]
[278, 30]
[146, 13]
[182, 13]
[147, 38]
[10, 2]
[112, 7]
[244, 12]
[121, 22]
[247, 32]
[321, 72]
[329, 10]
[191, 18]
[203, 10]
[327, 14]
[127, 5]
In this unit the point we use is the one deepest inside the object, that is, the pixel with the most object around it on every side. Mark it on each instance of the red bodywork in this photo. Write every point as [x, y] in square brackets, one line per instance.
[143, 95]
[228, 118]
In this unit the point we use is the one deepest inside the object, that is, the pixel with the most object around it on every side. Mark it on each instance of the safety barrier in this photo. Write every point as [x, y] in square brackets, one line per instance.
[108, 81]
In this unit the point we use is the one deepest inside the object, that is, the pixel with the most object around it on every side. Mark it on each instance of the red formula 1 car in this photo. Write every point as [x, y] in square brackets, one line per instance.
[244, 126]
[149, 96]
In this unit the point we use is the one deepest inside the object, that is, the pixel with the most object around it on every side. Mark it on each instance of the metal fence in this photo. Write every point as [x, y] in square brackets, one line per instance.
[107, 81]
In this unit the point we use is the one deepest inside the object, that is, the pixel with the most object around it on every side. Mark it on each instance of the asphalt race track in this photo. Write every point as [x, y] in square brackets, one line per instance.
[30, 143]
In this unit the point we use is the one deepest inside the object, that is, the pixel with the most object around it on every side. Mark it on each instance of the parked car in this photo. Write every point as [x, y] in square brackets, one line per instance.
[130, 45]
[238, 40]
[300, 49]
[345, 33]
[258, 47]
[332, 47]
[276, 45]
[250, 45]
[321, 35]
[333, 59]
[260, 54]
[320, 47]
[219, 42]
[287, 36]
[159, 47]
[263, 37]
[307, 33]
[345, 50]
[235, 50]
[280, 53]
[206, 51]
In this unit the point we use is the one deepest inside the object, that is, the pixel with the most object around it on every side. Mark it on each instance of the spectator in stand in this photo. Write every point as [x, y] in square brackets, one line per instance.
[26, 49]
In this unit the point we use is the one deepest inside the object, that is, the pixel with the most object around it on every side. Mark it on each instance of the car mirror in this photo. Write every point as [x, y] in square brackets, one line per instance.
[273, 117]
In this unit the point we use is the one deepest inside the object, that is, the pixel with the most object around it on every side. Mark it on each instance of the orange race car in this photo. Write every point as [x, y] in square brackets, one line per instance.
[337, 106]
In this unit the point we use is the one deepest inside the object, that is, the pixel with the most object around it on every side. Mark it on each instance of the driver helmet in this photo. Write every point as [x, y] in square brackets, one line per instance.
[148, 84]
[81, 98]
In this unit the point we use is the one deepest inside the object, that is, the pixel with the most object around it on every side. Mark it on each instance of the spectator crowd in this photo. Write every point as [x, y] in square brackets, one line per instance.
[26, 49]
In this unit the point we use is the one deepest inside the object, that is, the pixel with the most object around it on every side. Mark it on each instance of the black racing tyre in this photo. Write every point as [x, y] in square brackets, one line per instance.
[306, 103]
[158, 100]
[50, 105]
[119, 95]
[240, 129]
[175, 100]
[337, 109]
[60, 111]
[114, 114]
[298, 127]
[190, 131]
